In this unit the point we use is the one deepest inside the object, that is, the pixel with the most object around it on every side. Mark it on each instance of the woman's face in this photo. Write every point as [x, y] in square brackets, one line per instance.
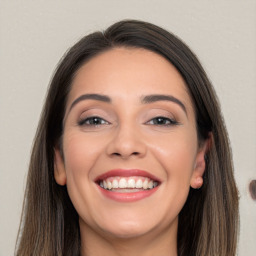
[130, 144]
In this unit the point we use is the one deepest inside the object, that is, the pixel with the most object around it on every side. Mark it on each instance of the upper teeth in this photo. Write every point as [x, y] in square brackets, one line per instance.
[128, 182]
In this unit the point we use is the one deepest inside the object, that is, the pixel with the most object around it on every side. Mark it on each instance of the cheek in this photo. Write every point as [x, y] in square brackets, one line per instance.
[177, 158]
[80, 153]
[177, 153]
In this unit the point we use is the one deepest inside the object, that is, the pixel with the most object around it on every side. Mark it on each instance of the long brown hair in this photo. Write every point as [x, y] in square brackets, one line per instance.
[208, 222]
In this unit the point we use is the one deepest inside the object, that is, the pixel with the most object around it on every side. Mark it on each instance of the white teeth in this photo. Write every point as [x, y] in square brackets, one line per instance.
[109, 184]
[131, 183]
[150, 184]
[145, 184]
[128, 183]
[115, 184]
[138, 183]
[122, 183]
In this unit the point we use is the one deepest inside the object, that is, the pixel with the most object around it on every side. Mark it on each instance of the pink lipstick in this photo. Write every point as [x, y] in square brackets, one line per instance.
[127, 185]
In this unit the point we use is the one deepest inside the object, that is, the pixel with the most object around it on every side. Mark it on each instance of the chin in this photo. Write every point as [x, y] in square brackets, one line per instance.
[127, 230]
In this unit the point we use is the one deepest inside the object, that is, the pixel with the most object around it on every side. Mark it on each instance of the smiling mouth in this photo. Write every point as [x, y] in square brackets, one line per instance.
[127, 184]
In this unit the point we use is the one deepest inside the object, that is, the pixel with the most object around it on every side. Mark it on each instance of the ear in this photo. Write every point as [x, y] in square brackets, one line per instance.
[199, 168]
[59, 168]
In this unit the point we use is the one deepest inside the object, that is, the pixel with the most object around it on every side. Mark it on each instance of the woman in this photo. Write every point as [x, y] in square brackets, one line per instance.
[131, 155]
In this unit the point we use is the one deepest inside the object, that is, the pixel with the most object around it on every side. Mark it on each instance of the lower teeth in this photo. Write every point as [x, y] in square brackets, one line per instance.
[127, 190]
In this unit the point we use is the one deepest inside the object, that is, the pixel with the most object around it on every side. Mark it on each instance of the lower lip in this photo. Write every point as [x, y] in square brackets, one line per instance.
[128, 197]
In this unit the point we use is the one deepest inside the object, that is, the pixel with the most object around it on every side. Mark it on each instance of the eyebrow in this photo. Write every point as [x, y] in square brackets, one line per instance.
[162, 97]
[144, 99]
[93, 96]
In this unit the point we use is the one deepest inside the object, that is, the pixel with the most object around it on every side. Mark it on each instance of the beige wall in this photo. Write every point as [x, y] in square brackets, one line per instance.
[35, 34]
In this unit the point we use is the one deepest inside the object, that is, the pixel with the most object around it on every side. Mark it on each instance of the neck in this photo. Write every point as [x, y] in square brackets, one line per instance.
[155, 242]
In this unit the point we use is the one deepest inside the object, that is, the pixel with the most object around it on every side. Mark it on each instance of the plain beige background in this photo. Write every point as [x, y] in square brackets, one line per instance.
[35, 34]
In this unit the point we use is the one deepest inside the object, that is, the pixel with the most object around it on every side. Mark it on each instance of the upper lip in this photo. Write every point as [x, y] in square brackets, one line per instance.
[126, 173]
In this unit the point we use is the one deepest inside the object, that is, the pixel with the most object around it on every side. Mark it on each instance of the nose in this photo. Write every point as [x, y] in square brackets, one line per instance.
[126, 142]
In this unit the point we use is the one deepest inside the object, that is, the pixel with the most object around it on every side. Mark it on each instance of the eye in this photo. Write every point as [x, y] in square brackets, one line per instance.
[164, 121]
[93, 121]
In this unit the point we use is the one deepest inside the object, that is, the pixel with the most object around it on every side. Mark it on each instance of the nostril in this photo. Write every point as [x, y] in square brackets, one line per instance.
[125, 155]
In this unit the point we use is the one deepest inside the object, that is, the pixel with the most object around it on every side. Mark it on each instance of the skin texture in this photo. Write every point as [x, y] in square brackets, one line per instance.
[129, 137]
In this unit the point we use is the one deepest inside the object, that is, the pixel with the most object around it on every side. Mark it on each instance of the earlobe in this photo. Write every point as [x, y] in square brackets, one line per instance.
[199, 168]
[59, 168]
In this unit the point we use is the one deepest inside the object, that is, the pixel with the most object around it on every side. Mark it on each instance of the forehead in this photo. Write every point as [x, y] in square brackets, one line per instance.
[129, 73]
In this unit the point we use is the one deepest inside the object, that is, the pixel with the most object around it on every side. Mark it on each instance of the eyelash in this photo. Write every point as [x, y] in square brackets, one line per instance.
[97, 121]
[89, 121]
[167, 121]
